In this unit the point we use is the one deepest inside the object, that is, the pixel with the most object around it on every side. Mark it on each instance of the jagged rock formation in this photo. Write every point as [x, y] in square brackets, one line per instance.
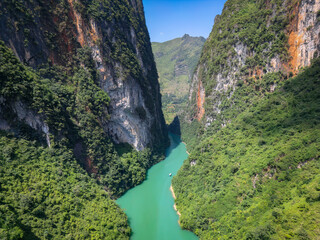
[271, 37]
[40, 32]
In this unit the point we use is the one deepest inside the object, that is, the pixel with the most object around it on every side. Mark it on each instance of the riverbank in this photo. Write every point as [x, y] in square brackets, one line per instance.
[174, 205]
[186, 148]
[174, 195]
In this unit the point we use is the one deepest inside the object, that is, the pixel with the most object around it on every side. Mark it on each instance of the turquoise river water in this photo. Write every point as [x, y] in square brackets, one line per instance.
[149, 206]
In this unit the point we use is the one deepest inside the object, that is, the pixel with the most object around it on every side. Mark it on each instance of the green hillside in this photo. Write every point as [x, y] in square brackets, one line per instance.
[259, 177]
[252, 126]
[45, 194]
[176, 60]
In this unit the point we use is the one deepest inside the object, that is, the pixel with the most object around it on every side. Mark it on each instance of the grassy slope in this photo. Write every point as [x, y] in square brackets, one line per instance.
[258, 178]
[183, 51]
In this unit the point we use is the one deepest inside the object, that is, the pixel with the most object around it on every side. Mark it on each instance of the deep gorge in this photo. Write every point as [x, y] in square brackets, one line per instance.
[82, 120]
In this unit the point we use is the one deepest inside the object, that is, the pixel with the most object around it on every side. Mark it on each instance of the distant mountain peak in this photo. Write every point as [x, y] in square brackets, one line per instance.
[186, 36]
[176, 59]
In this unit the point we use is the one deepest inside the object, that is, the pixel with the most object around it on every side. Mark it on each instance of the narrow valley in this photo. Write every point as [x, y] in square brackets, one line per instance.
[97, 122]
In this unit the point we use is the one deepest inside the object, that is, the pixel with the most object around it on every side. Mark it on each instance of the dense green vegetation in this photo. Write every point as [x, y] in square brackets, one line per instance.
[257, 25]
[258, 177]
[63, 90]
[176, 60]
[45, 194]
[245, 39]
[253, 172]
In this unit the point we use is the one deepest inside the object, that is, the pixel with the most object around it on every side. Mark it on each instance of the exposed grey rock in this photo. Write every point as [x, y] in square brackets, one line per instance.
[31, 118]
[131, 120]
[23, 114]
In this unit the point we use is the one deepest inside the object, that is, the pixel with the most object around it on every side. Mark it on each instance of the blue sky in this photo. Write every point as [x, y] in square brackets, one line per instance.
[169, 19]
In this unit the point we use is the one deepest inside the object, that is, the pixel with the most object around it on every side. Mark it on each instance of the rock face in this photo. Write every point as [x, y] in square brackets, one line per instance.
[52, 32]
[304, 37]
[22, 114]
[284, 37]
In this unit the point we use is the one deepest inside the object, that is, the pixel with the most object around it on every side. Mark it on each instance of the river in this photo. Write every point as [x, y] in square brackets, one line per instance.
[149, 206]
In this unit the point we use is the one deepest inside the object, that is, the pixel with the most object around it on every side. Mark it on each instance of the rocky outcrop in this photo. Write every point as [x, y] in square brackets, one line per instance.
[51, 32]
[20, 113]
[180, 69]
[132, 120]
[200, 101]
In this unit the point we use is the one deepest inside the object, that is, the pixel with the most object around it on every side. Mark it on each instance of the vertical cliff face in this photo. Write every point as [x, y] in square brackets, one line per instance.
[41, 32]
[249, 41]
[304, 34]
[200, 101]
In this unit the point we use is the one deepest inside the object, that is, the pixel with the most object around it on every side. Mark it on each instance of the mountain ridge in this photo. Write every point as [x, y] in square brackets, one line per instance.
[176, 60]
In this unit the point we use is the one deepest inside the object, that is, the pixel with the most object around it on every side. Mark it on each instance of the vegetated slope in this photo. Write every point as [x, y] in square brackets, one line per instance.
[45, 194]
[252, 127]
[259, 177]
[249, 40]
[76, 77]
[176, 60]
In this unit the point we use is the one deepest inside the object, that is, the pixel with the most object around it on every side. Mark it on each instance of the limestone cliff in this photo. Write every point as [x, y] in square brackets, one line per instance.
[52, 32]
[249, 41]
[304, 34]
[24, 114]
